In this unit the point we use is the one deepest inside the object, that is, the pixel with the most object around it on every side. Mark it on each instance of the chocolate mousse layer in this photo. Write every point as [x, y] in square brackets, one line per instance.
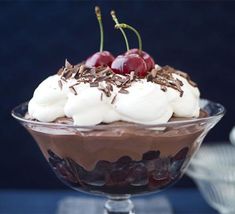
[120, 159]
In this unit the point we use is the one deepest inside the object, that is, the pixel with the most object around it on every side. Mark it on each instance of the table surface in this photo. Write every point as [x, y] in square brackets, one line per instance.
[183, 201]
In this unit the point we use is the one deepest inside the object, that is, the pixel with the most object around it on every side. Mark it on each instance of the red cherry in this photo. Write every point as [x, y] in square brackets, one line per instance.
[103, 58]
[126, 64]
[146, 57]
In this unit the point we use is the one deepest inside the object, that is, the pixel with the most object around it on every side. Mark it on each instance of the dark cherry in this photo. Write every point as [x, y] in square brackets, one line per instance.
[103, 58]
[124, 176]
[151, 155]
[126, 64]
[146, 57]
[138, 175]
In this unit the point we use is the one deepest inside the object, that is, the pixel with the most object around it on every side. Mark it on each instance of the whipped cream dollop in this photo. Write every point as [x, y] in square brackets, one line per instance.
[48, 100]
[143, 101]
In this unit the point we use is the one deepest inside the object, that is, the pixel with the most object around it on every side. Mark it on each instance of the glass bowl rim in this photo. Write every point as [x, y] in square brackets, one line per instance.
[218, 115]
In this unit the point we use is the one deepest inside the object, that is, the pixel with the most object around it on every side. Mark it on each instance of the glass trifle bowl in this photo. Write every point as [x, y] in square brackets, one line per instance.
[122, 159]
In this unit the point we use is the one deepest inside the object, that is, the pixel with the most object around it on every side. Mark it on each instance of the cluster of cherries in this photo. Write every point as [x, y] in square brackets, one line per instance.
[135, 60]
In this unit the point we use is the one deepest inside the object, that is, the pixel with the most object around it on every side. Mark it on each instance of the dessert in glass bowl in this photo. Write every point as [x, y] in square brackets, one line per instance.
[118, 126]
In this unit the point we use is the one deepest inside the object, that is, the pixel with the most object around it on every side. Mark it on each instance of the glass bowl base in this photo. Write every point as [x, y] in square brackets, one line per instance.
[78, 205]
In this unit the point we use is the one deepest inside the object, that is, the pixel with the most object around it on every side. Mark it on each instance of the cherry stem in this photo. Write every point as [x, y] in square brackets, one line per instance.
[99, 18]
[113, 14]
[123, 25]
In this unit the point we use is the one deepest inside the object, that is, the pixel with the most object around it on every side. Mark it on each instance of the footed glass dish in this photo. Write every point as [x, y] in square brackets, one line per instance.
[121, 160]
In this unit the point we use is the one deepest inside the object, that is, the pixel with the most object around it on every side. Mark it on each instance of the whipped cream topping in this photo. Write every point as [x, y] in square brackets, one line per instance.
[143, 101]
[48, 100]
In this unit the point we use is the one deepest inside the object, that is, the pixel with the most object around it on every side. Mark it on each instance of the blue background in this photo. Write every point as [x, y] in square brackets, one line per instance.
[36, 37]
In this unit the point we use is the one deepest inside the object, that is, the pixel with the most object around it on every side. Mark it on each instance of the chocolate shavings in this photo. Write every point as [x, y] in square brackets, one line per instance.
[114, 99]
[123, 91]
[72, 89]
[82, 74]
[164, 77]
[60, 84]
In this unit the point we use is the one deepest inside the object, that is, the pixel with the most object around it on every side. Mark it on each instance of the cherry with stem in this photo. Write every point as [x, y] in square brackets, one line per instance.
[101, 58]
[125, 64]
[147, 58]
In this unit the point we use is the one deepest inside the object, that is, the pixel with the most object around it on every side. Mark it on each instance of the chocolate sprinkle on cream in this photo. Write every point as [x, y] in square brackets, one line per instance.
[60, 84]
[94, 84]
[82, 74]
[164, 77]
[114, 98]
[123, 91]
[72, 89]
[101, 96]
[163, 88]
